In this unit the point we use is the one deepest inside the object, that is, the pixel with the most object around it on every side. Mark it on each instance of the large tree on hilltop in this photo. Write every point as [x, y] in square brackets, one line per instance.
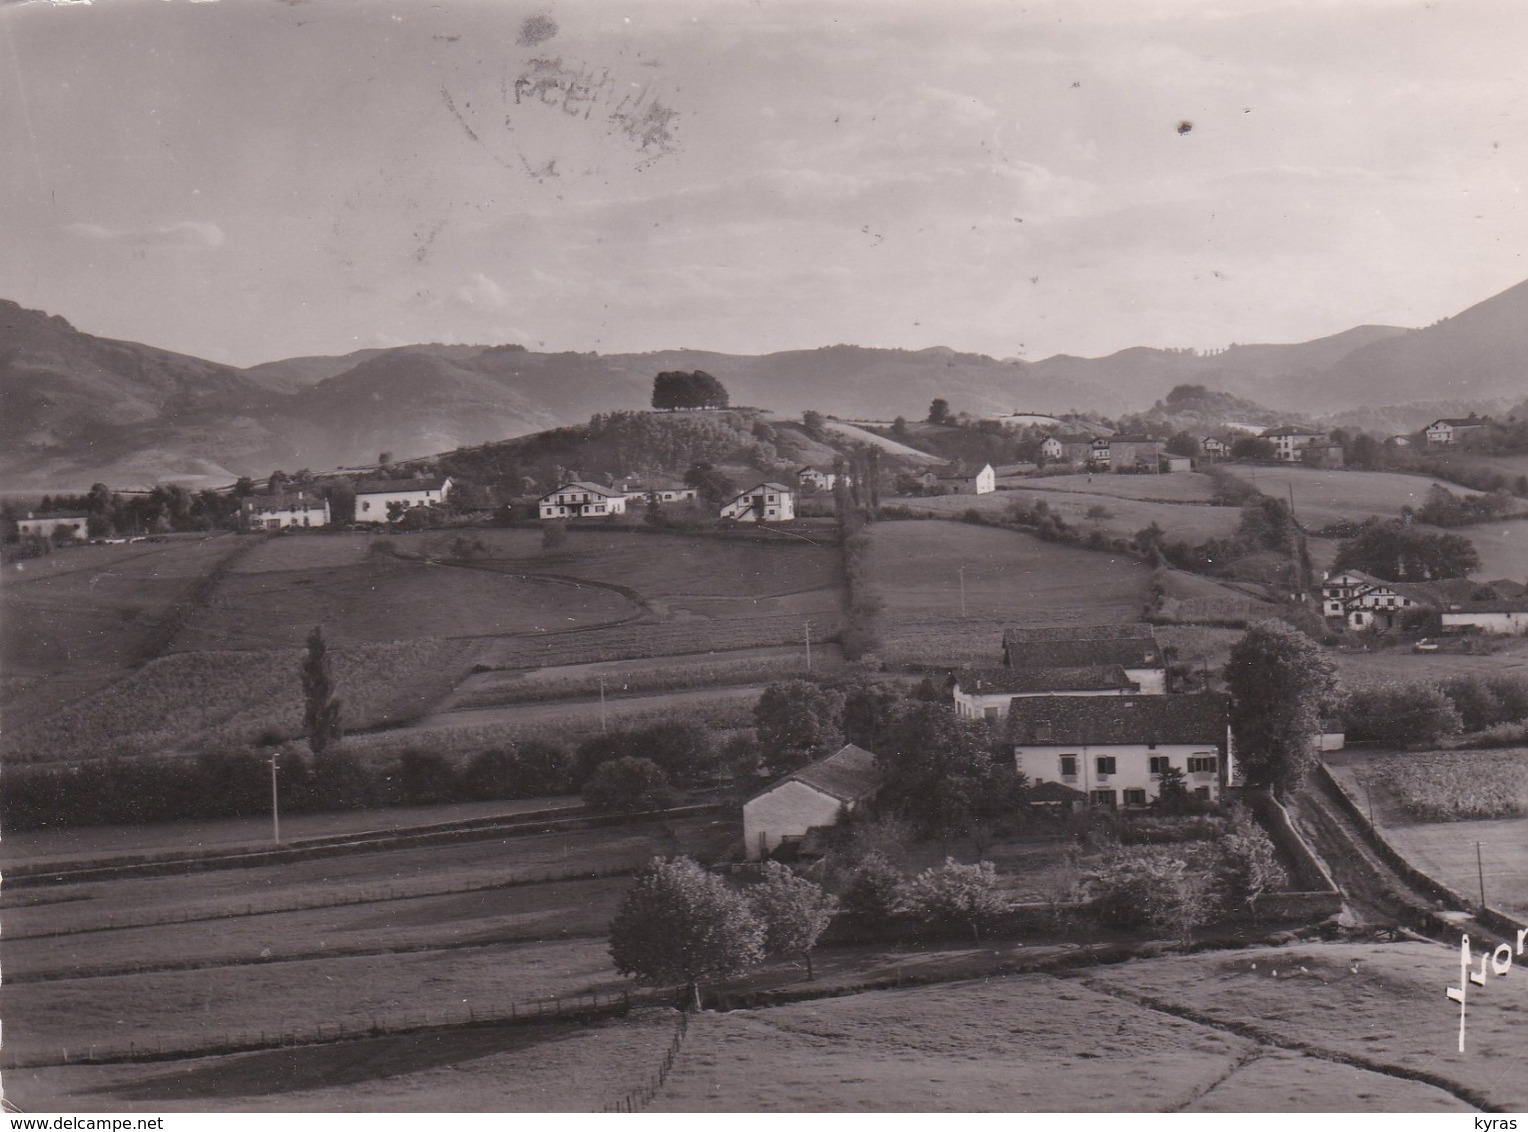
[675, 389]
[1279, 681]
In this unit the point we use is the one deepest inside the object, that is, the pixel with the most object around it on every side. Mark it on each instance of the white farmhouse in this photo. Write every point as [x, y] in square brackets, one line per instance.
[1288, 441]
[289, 509]
[810, 798]
[1051, 448]
[52, 524]
[1115, 748]
[818, 479]
[1500, 617]
[1452, 430]
[981, 482]
[374, 499]
[1360, 600]
[762, 503]
[581, 500]
[986, 693]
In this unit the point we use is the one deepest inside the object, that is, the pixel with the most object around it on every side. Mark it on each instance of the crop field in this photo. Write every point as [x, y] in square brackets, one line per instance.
[76, 619]
[1115, 1041]
[192, 701]
[1190, 522]
[1324, 496]
[1406, 792]
[1497, 657]
[1179, 487]
[1010, 578]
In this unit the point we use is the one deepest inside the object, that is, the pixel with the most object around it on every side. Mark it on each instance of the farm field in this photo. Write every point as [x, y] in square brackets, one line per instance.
[616, 709]
[1508, 656]
[984, 1046]
[74, 620]
[1191, 522]
[1443, 849]
[1179, 487]
[1323, 496]
[1009, 578]
[1503, 549]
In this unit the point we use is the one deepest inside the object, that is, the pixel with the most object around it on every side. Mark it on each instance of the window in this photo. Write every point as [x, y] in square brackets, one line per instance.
[1151, 746]
[1158, 764]
[1105, 764]
[1068, 766]
[365, 505]
[989, 712]
[1102, 798]
[1135, 797]
[1201, 764]
[1202, 792]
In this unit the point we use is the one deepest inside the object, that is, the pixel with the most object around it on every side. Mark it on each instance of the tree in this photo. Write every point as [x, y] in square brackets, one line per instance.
[321, 708]
[1182, 444]
[795, 912]
[1099, 514]
[939, 768]
[1172, 791]
[939, 411]
[1248, 865]
[675, 389]
[1400, 714]
[1145, 888]
[798, 721]
[1251, 448]
[681, 924]
[814, 425]
[628, 785]
[1399, 552]
[714, 486]
[1279, 681]
[954, 893]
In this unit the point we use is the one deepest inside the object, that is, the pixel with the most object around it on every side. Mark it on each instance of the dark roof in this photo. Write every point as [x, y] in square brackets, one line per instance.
[1104, 720]
[1052, 792]
[54, 515]
[1134, 440]
[1459, 422]
[286, 501]
[1092, 677]
[1082, 646]
[1511, 605]
[849, 774]
[1290, 430]
[1506, 587]
[382, 487]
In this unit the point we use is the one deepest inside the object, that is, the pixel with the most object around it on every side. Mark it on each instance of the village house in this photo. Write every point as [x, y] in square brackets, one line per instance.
[1215, 447]
[1360, 600]
[1288, 441]
[986, 693]
[814, 797]
[1051, 448]
[52, 525]
[957, 482]
[1507, 617]
[1130, 452]
[657, 494]
[1322, 453]
[375, 500]
[1115, 749]
[287, 509]
[1172, 462]
[1099, 455]
[581, 500]
[1076, 450]
[818, 479]
[1453, 430]
[762, 503]
[1132, 648]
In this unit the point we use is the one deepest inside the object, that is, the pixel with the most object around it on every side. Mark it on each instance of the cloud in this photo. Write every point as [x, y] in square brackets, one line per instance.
[195, 234]
[482, 293]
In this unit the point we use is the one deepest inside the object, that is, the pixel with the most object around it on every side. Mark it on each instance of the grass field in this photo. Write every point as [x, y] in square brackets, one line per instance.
[1442, 849]
[1180, 487]
[1190, 522]
[1323, 496]
[1009, 578]
[77, 619]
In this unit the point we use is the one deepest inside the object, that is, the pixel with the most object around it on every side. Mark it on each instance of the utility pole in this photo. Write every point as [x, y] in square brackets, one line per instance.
[275, 806]
[602, 703]
[962, 573]
[1480, 871]
[808, 646]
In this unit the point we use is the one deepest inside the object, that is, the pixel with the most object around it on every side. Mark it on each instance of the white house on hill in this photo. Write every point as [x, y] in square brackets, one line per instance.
[810, 798]
[290, 509]
[1116, 748]
[375, 499]
[1133, 648]
[986, 693]
[762, 503]
[581, 500]
[52, 524]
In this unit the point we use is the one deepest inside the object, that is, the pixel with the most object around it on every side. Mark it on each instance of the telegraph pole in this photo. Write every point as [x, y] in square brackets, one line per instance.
[275, 806]
[602, 703]
[808, 646]
[962, 573]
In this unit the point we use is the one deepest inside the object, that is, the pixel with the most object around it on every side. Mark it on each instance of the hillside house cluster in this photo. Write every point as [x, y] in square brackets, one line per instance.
[387, 501]
[767, 502]
[284, 509]
[1294, 445]
[819, 480]
[1362, 601]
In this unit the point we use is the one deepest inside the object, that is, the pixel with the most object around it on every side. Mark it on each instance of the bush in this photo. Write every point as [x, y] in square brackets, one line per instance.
[628, 785]
[1399, 714]
[955, 894]
[1141, 888]
[875, 889]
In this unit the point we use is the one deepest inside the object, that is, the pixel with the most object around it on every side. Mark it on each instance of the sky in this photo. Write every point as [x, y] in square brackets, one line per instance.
[247, 180]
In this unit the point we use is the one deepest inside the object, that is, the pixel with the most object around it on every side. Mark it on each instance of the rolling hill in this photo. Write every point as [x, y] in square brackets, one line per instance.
[75, 409]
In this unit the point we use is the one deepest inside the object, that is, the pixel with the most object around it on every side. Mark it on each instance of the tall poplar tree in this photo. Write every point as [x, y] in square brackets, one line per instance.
[321, 712]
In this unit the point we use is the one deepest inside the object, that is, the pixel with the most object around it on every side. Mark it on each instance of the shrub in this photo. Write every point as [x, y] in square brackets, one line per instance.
[875, 888]
[628, 785]
[1399, 714]
[1136, 888]
[956, 894]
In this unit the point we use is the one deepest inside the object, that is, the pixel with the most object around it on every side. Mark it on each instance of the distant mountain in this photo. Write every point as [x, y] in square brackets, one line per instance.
[75, 408]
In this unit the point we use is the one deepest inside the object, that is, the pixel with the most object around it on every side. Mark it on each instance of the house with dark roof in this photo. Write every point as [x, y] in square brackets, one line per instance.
[1115, 749]
[1289, 441]
[385, 501]
[818, 479]
[1508, 617]
[286, 509]
[810, 798]
[962, 481]
[1453, 430]
[985, 693]
[1131, 647]
[1361, 600]
[581, 499]
[763, 503]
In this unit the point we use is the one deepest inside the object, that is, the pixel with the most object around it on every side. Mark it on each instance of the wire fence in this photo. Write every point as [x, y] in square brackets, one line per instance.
[639, 1098]
[583, 1006]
